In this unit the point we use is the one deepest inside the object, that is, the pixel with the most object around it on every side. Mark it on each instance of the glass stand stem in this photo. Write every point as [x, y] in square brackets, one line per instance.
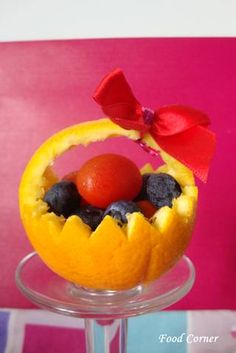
[106, 336]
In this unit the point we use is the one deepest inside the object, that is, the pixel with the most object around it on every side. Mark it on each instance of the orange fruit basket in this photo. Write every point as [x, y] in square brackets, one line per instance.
[111, 257]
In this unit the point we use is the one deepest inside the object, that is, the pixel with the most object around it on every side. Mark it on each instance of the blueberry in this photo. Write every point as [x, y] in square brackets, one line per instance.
[62, 198]
[143, 193]
[162, 189]
[90, 215]
[119, 209]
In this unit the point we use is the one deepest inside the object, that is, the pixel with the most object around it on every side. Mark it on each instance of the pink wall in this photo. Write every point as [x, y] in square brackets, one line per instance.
[45, 86]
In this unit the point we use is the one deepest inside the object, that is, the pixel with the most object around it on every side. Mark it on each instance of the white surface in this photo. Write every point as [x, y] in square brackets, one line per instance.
[57, 19]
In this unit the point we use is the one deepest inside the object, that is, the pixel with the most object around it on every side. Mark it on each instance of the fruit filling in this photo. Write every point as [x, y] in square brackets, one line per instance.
[111, 184]
[107, 225]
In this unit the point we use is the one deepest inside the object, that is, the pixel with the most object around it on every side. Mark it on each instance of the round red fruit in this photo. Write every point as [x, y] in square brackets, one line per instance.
[147, 208]
[71, 176]
[108, 178]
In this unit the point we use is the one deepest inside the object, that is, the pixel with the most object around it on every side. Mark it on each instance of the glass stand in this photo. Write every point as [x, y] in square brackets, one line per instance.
[105, 312]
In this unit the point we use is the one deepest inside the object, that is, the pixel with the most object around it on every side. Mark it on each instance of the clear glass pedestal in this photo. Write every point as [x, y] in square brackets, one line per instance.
[105, 312]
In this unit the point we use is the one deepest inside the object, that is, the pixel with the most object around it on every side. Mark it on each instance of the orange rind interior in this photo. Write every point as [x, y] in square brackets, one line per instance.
[111, 257]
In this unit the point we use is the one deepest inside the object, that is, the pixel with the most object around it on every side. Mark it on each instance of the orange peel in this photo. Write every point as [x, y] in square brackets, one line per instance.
[110, 257]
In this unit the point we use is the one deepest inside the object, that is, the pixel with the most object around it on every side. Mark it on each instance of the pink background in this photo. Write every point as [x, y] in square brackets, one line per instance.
[45, 86]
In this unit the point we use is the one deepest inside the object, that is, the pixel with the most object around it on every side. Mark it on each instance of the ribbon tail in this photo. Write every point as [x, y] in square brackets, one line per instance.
[194, 148]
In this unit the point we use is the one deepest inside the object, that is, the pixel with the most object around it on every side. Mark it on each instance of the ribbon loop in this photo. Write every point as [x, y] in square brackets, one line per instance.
[179, 130]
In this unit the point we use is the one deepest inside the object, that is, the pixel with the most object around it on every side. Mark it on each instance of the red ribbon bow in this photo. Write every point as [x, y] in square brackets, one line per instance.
[179, 130]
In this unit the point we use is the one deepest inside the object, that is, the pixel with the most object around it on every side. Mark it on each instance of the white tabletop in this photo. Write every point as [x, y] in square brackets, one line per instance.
[58, 19]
